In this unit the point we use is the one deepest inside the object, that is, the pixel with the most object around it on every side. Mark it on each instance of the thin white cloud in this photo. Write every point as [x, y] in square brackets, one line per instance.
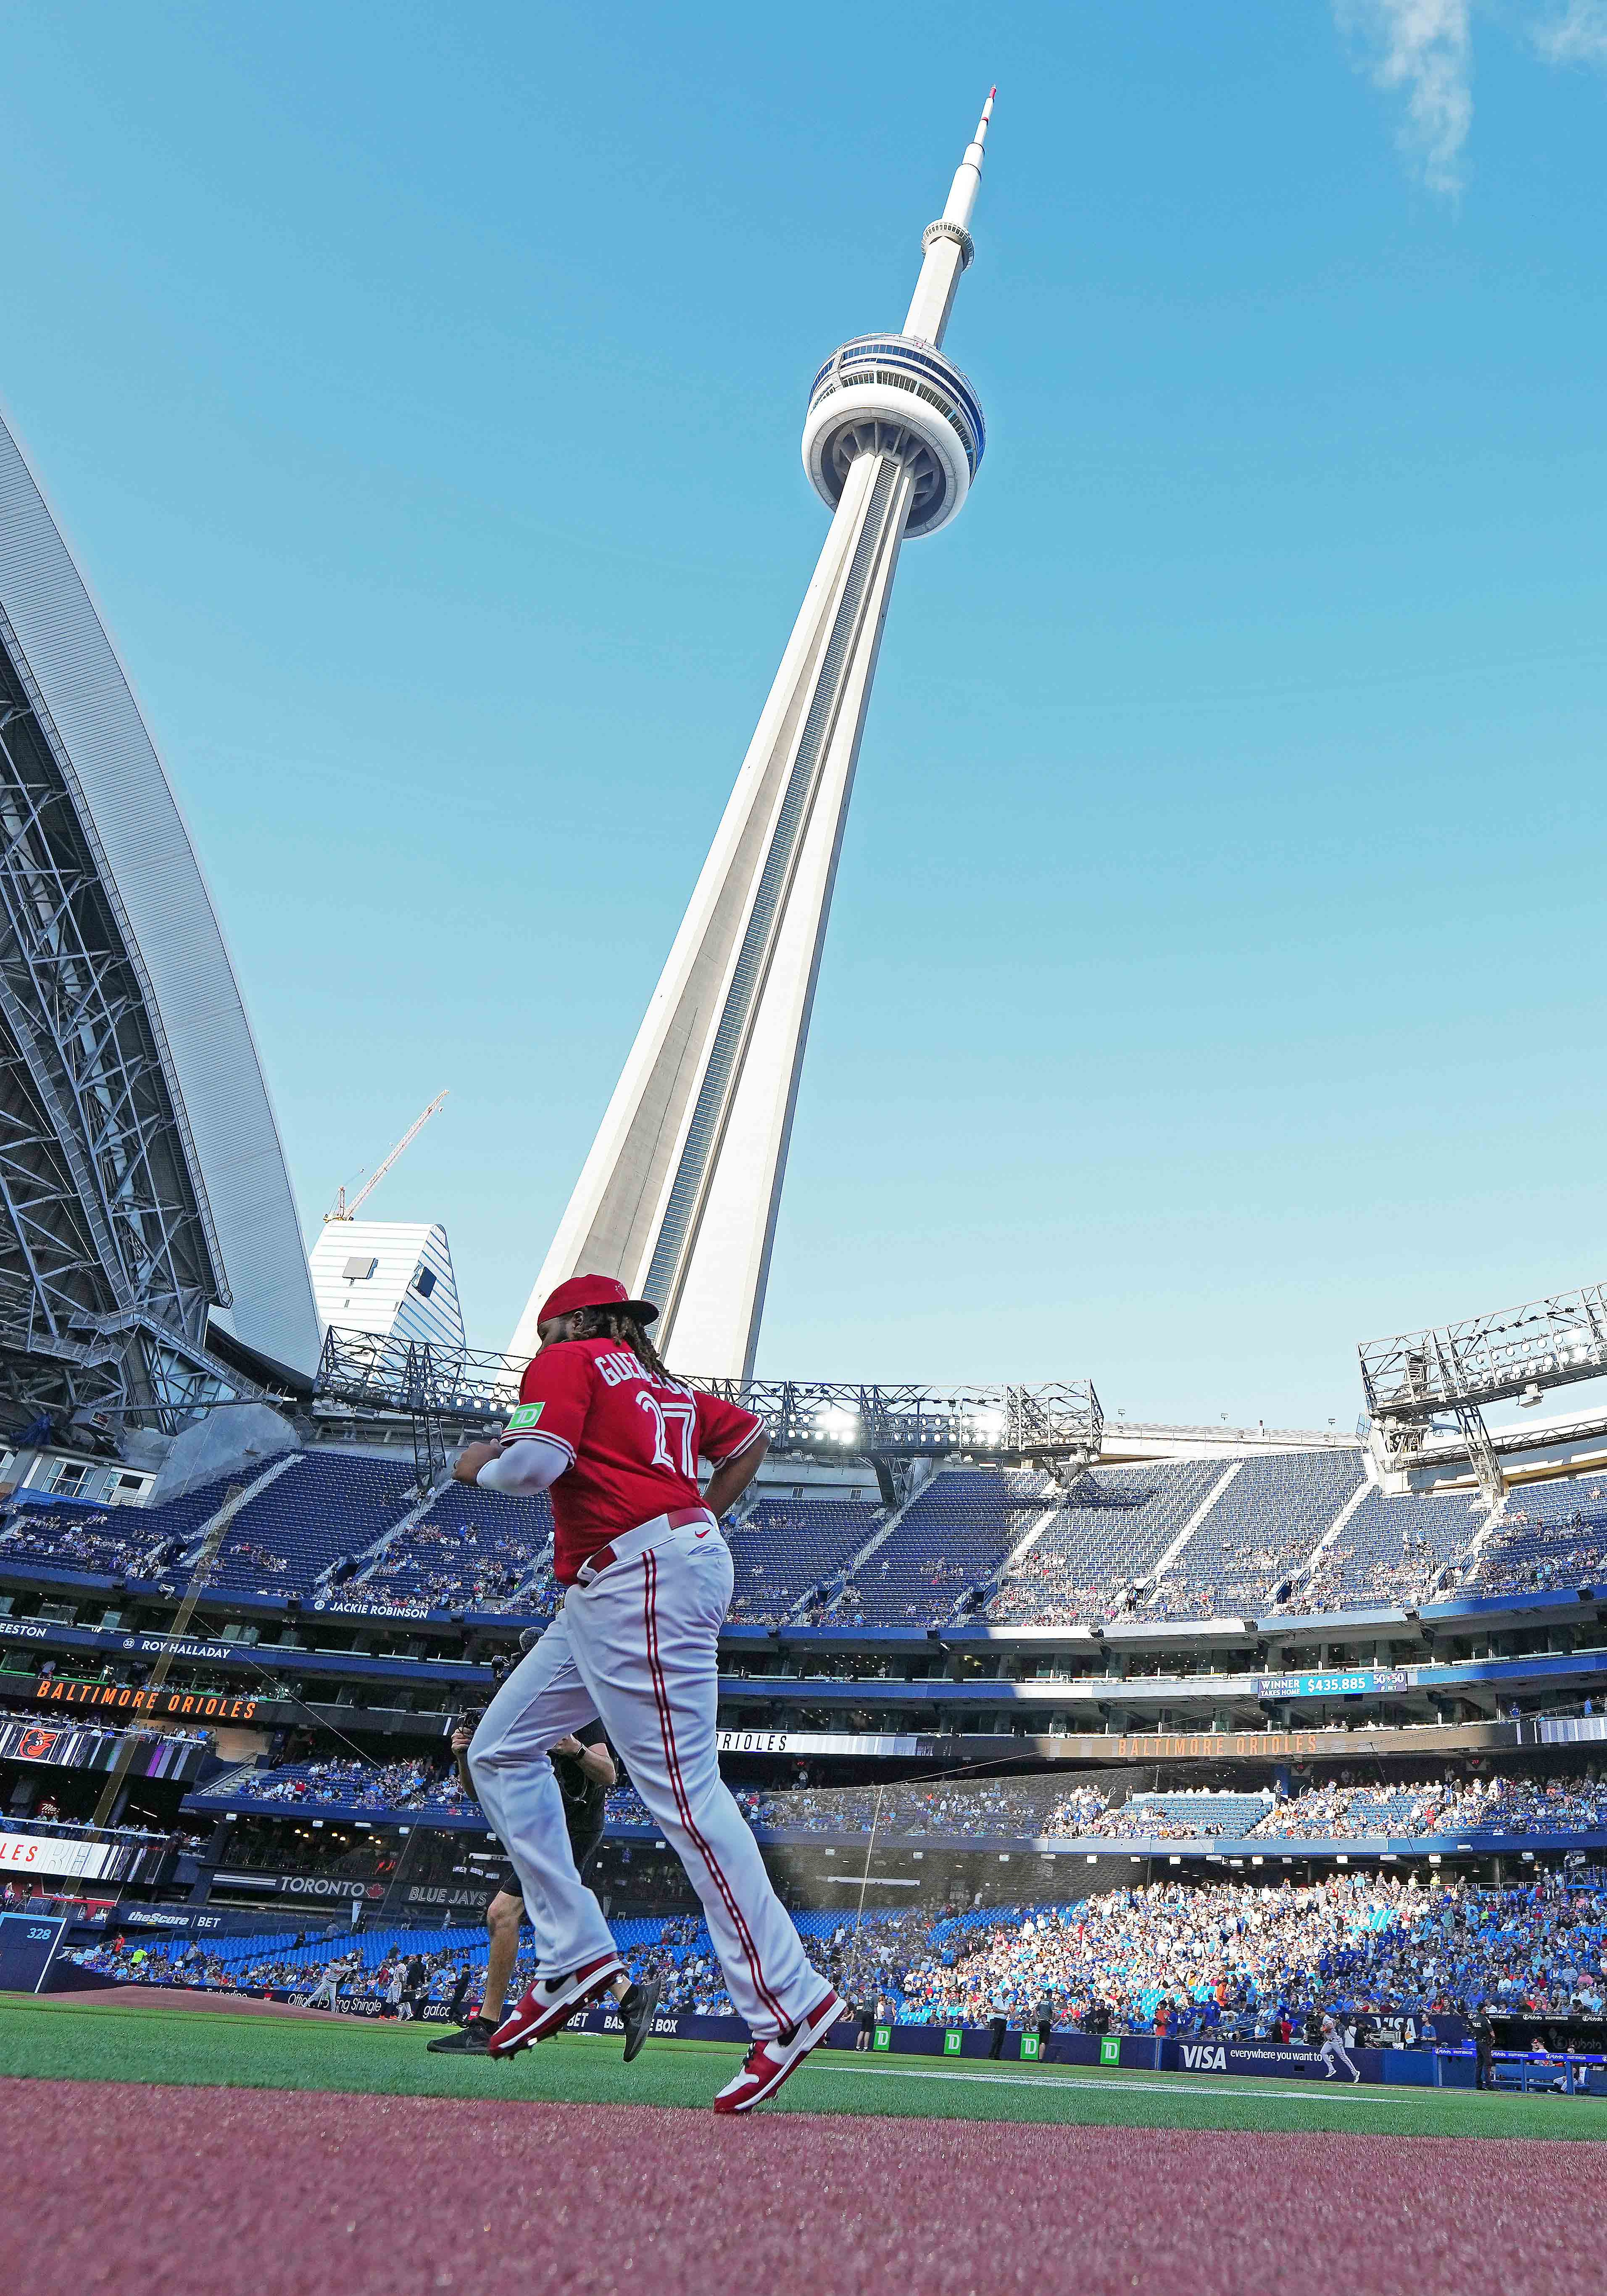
[1423, 50]
[1573, 34]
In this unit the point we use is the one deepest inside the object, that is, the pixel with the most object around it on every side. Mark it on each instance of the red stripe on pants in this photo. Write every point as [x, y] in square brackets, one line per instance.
[672, 1760]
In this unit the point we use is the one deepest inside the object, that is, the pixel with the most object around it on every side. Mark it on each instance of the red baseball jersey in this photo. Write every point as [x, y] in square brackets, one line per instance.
[634, 1441]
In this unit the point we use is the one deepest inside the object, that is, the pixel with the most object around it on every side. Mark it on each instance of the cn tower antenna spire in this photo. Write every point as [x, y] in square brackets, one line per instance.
[949, 243]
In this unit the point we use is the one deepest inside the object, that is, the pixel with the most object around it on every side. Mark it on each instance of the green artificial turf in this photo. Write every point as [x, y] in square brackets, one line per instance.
[82, 2038]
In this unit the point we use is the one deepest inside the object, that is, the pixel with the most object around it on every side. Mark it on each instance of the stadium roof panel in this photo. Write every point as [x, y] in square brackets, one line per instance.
[215, 1108]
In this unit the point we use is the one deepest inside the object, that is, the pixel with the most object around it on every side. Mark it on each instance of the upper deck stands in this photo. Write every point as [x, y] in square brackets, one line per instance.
[1111, 1530]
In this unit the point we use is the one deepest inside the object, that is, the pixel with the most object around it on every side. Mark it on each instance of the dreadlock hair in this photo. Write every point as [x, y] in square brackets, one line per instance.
[613, 1323]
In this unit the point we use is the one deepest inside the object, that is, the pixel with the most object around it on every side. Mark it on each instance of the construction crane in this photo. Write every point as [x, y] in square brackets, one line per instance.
[342, 1210]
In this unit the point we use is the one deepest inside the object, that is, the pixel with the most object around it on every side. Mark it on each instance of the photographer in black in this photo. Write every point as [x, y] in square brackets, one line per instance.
[585, 1770]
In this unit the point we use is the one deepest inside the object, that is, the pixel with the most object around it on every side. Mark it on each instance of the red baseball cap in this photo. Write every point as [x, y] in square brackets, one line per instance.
[595, 1291]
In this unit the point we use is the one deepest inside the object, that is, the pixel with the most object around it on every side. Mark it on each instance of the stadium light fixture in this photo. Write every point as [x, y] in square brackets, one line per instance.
[1490, 1358]
[911, 1419]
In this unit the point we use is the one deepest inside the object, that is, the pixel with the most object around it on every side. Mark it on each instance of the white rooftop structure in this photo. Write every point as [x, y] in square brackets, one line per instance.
[146, 1208]
[391, 1277]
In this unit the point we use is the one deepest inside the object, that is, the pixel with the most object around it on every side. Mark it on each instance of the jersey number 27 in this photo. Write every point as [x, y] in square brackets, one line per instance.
[674, 1423]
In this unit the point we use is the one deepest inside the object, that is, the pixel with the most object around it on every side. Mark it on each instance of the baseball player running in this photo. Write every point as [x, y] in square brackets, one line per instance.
[325, 1994]
[647, 1581]
[1333, 2048]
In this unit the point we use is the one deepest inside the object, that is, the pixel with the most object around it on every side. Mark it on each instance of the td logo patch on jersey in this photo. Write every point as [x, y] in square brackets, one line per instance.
[522, 1421]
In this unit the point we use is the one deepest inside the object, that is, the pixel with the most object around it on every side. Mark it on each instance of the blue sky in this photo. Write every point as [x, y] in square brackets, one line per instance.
[1215, 978]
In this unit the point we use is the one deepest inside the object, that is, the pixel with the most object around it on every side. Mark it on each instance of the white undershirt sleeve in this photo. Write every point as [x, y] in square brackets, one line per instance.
[528, 1465]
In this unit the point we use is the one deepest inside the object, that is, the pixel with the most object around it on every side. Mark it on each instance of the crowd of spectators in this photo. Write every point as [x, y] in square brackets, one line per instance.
[1388, 1552]
[1493, 1805]
[1347, 1575]
[110, 1543]
[1530, 1550]
[419, 1976]
[1036, 1810]
[1227, 1956]
[447, 1567]
[349, 1783]
[1013, 1808]
[953, 1809]
[1237, 1952]
[945, 1579]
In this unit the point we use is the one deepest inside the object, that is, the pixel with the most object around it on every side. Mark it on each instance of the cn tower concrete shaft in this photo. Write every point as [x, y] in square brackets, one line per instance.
[679, 1194]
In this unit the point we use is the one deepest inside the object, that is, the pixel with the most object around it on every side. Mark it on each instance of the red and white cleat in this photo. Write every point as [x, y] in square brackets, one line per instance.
[771, 2063]
[550, 2004]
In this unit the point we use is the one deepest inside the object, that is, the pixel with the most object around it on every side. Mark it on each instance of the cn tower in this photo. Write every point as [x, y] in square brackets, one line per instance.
[679, 1194]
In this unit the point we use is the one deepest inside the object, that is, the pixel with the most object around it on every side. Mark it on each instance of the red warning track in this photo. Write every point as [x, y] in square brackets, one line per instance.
[254, 2193]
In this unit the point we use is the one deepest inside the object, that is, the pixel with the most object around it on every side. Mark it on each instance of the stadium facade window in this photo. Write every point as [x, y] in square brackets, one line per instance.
[424, 1282]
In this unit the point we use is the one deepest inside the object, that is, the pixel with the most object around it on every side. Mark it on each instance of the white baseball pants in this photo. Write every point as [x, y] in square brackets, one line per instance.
[1333, 2048]
[637, 1648]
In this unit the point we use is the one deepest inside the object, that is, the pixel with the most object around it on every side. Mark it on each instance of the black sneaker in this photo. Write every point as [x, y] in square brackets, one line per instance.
[635, 2014]
[471, 2040]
